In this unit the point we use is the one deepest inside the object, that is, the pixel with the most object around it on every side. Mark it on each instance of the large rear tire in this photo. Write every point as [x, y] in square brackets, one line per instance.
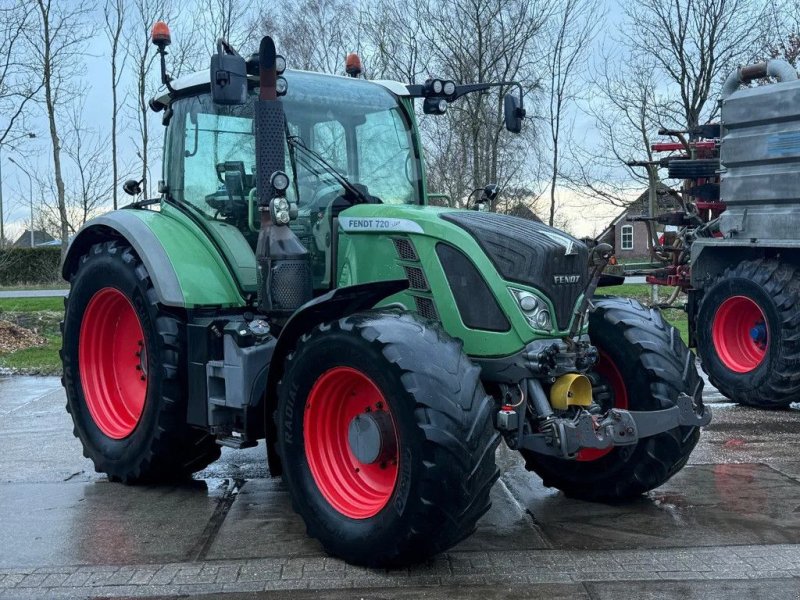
[643, 366]
[748, 333]
[421, 482]
[126, 389]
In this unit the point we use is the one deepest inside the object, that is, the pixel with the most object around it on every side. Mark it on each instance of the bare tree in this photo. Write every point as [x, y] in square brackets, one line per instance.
[315, 35]
[693, 44]
[18, 86]
[57, 47]
[484, 40]
[114, 15]
[89, 184]
[574, 27]
[410, 40]
[626, 110]
[142, 56]
[231, 20]
[18, 83]
[87, 181]
[394, 42]
[787, 48]
[662, 69]
[782, 35]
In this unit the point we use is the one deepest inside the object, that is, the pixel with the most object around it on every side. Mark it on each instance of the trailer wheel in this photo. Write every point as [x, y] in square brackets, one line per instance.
[125, 389]
[386, 438]
[699, 168]
[748, 333]
[643, 366]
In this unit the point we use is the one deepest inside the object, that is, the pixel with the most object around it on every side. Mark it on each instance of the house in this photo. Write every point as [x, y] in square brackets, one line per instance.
[630, 239]
[39, 238]
[523, 211]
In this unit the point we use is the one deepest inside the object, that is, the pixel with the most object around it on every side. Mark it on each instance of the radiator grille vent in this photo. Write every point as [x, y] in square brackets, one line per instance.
[405, 249]
[416, 278]
[290, 284]
[426, 308]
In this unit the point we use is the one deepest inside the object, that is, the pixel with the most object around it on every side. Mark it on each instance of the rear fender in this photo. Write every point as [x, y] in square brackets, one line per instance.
[183, 265]
[333, 305]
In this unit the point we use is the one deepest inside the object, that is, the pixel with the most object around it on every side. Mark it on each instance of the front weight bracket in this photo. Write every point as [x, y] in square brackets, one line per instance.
[566, 437]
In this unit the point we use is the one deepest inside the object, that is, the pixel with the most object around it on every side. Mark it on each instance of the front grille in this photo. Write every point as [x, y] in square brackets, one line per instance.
[426, 308]
[475, 301]
[416, 279]
[405, 249]
[533, 254]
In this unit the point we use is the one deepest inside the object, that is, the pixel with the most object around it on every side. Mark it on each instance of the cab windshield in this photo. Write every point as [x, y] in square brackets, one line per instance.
[360, 128]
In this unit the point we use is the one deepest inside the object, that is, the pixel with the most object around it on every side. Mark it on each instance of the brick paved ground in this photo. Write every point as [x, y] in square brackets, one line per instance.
[453, 569]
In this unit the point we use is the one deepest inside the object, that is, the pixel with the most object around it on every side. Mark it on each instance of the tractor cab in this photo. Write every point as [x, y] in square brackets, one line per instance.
[329, 142]
[362, 130]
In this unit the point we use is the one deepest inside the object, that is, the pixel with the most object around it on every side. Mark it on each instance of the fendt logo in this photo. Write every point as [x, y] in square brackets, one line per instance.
[564, 279]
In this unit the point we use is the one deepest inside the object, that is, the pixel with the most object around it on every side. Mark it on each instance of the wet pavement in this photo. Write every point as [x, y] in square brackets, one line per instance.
[727, 526]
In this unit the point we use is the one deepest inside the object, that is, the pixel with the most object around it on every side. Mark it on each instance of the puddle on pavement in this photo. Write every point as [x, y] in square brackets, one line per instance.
[703, 505]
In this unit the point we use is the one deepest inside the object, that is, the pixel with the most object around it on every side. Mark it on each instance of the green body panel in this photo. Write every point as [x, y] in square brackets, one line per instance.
[370, 255]
[237, 252]
[203, 276]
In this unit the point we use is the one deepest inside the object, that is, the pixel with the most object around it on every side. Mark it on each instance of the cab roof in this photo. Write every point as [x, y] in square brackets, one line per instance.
[200, 80]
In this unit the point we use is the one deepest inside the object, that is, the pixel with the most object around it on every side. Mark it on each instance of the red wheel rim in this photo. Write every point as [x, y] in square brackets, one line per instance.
[355, 489]
[112, 360]
[609, 371]
[740, 334]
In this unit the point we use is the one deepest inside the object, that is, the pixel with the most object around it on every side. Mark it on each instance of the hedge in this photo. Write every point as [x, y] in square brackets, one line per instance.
[26, 266]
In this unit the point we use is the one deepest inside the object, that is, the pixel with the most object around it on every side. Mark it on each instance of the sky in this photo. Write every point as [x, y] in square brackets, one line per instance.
[585, 217]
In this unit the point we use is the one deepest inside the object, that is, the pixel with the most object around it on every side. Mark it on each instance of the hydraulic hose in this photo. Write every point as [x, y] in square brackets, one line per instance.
[780, 69]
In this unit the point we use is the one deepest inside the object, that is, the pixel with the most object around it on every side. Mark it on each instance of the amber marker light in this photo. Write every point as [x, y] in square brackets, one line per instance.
[352, 65]
[160, 34]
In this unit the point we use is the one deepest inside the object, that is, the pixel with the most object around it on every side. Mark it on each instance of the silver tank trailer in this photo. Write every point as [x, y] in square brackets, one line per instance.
[760, 155]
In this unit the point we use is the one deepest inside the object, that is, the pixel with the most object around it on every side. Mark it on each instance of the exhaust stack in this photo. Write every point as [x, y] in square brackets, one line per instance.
[284, 267]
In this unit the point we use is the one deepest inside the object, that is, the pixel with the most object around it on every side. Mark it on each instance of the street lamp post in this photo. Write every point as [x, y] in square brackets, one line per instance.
[2, 217]
[30, 192]
[2, 220]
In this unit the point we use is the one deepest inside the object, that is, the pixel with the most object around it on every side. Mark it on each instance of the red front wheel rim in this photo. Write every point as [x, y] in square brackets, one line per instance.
[355, 489]
[613, 378]
[740, 334]
[112, 360]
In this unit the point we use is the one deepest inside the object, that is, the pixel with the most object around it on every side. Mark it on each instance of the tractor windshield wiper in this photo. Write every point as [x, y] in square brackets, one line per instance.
[297, 143]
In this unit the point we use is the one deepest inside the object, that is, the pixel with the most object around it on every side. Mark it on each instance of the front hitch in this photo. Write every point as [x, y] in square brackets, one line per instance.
[564, 438]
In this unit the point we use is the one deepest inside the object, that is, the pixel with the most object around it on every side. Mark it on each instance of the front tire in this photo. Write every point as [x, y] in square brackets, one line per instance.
[748, 333]
[644, 365]
[419, 484]
[122, 373]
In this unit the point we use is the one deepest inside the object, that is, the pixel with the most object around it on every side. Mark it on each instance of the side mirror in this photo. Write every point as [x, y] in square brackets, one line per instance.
[228, 76]
[132, 187]
[490, 193]
[513, 113]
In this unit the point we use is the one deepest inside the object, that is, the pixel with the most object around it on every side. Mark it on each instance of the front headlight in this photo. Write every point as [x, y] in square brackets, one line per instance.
[534, 309]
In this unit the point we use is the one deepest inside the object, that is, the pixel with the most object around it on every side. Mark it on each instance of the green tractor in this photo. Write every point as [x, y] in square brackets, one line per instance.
[291, 284]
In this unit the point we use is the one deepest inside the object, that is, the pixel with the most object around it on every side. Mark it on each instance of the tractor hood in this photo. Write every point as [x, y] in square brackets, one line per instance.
[532, 254]
[505, 250]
